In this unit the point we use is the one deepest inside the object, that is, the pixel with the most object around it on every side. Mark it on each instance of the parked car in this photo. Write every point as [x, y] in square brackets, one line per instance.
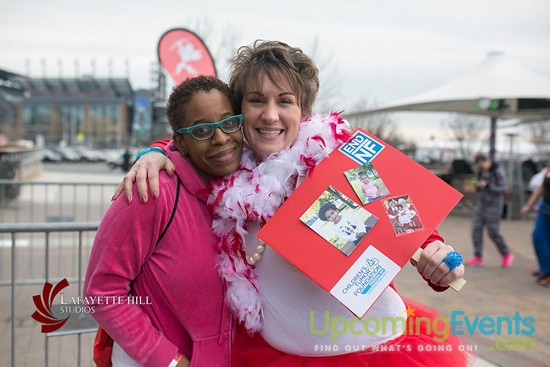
[114, 158]
[69, 154]
[49, 155]
[87, 154]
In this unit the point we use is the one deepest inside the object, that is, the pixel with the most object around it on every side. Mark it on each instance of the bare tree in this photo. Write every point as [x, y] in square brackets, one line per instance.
[378, 124]
[466, 130]
[223, 45]
[539, 135]
[330, 79]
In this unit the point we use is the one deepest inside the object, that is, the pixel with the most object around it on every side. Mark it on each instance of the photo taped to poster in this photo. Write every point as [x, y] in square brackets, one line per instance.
[339, 220]
[403, 215]
[367, 183]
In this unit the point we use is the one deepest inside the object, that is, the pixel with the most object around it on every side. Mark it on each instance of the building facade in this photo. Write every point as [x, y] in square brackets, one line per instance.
[97, 112]
[92, 111]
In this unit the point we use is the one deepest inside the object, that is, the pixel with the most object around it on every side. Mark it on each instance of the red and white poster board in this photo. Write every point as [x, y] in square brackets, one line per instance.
[358, 278]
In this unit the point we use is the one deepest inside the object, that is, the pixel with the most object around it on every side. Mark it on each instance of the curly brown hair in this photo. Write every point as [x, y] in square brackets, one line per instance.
[281, 63]
[182, 93]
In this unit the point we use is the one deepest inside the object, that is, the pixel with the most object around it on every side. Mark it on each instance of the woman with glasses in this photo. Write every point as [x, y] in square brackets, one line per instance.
[152, 270]
[275, 85]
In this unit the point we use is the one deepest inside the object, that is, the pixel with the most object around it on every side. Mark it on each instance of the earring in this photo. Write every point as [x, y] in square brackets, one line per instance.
[183, 154]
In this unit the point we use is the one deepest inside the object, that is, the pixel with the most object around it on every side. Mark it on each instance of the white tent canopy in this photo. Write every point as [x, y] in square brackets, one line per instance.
[526, 94]
[497, 87]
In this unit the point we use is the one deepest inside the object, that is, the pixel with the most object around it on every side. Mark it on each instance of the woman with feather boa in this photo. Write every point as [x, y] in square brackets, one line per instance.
[285, 318]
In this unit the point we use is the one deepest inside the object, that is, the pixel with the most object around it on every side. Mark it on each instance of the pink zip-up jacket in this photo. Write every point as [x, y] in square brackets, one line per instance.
[187, 312]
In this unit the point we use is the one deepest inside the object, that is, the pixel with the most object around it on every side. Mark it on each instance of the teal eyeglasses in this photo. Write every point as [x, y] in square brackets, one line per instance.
[205, 131]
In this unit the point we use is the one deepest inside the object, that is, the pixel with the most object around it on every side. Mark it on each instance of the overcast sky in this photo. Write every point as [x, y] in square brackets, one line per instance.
[384, 50]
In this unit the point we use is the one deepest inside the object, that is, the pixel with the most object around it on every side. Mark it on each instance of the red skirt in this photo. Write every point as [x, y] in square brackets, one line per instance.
[416, 348]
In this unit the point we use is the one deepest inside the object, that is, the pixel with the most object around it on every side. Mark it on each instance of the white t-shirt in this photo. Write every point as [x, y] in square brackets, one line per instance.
[405, 216]
[299, 317]
[119, 358]
[348, 227]
[537, 179]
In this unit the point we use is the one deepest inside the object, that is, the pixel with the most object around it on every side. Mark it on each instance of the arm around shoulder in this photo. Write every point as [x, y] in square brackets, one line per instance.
[145, 172]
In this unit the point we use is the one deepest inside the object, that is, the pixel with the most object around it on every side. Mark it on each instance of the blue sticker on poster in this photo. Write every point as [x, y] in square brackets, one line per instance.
[362, 148]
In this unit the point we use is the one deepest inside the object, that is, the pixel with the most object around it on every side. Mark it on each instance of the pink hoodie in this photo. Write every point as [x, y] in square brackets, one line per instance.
[178, 275]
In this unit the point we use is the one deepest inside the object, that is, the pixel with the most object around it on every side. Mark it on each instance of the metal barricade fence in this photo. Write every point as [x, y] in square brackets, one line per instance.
[41, 201]
[64, 249]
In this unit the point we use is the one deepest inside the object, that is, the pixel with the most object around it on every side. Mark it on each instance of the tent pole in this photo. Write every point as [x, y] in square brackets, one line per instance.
[492, 138]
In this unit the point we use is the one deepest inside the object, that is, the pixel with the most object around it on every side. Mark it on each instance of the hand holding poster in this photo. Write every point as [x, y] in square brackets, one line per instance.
[356, 232]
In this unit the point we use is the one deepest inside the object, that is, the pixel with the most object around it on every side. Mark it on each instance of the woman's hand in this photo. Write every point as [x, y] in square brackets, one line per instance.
[431, 265]
[481, 184]
[145, 172]
[525, 210]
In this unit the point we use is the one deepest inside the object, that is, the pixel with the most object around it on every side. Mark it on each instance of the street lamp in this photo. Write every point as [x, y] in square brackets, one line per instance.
[494, 106]
[516, 190]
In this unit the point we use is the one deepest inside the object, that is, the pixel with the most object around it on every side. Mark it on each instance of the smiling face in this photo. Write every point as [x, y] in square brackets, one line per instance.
[272, 115]
[220, 155]
[332, 215]
[364, 179]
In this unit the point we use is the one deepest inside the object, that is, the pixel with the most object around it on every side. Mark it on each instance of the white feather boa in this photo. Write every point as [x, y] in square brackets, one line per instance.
[253, 194]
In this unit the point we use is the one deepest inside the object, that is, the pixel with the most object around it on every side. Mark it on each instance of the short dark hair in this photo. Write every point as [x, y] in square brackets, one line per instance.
[324, 208]
[182, 93]
[362, 173]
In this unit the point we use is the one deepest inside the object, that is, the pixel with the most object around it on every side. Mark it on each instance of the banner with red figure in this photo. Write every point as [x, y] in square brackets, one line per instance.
[184, 55]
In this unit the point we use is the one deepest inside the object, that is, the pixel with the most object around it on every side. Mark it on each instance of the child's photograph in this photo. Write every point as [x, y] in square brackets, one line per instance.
[403, 215]
[339, 220]
[367, 183]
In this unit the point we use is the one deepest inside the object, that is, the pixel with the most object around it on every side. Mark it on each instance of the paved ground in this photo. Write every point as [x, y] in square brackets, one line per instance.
[491, 292]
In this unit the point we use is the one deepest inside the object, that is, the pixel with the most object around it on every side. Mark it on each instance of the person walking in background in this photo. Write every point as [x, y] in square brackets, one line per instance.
[490, 186]
[537, 179]
[541, 232]
[126, 160]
